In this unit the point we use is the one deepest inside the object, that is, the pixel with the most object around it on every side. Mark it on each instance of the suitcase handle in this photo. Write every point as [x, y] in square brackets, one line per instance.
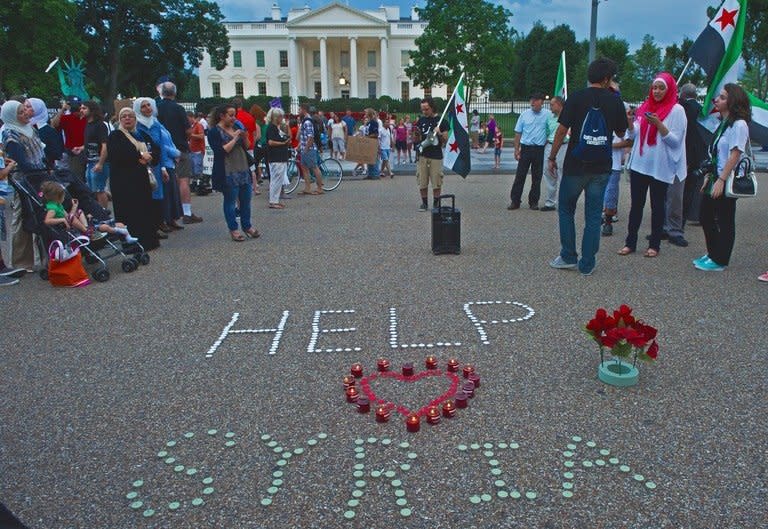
[440, 201]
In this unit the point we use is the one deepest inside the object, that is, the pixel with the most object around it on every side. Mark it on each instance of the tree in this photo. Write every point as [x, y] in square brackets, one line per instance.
[539, 56]
[675, 59]
[647, 60]
[472, 36]
[32, 34]
[132, 43]
[755, 48]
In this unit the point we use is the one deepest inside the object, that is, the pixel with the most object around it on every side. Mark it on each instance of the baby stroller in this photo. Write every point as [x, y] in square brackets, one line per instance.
[96, 252]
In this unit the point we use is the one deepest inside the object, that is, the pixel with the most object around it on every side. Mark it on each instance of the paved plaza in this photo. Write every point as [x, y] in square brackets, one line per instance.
[205, 389]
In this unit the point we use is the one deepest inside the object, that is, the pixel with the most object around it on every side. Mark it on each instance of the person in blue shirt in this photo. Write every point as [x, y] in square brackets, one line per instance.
[531, 132]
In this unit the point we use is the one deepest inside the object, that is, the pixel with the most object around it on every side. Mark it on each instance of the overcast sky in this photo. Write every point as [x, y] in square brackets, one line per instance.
[668, 21]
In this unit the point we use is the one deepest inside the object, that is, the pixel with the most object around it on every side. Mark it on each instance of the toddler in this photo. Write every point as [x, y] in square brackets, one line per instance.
[498, 143]
[53, 194]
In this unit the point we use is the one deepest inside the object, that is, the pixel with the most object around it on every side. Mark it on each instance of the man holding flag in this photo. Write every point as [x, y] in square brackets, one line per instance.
[429, 133]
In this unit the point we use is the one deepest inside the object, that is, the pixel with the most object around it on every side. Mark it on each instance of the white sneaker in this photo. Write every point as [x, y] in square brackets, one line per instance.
[558, 263]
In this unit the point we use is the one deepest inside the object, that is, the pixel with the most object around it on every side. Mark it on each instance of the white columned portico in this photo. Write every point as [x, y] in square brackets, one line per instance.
[295, 67]
[384, 67]
[323, 68]
[353, 66]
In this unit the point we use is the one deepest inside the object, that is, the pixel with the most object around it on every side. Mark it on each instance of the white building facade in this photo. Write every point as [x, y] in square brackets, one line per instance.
[335, 51]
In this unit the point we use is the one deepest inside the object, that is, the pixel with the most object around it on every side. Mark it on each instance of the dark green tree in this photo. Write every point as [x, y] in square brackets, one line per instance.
[538, 56]
[472, 36]
[132, 43]
[675, 59]
[755, 48]
[32, 34]
[647, 60]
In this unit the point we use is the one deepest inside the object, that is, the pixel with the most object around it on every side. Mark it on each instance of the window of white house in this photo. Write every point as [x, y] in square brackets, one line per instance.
[405, 91]
[239, 91]
[316, 58]
[371, 89]
[283, 58]
[371, 59]
[216, 89]
[405, 58]
[237, 59]
[318, 89]
[344, 59]
[260, 59]
[262, 85]
[285, 89]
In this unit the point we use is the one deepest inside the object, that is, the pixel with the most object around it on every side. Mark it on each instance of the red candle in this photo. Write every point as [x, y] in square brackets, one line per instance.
[433, 415]
[475, 379]
[453, 365]
[413, 423]
[469, 389]
[431, 362]
[383, 364]
[408, 369]
[468, 370]
[449, 409]
[357, 370]
[348, 380]
[382, 414]
[461, 400]
[352, 394]
[363, 404]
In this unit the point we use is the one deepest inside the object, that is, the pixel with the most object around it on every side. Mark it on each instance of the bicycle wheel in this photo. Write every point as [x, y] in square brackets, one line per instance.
[294, 177]
[332, 174]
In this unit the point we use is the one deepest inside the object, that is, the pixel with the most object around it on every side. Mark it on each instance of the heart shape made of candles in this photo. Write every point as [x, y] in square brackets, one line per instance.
[365, 387]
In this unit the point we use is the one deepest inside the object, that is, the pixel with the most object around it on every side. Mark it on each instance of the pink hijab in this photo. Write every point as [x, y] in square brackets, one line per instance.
[648, 132]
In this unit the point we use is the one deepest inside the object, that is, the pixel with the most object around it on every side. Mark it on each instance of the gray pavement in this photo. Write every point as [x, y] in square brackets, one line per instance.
[101, 386]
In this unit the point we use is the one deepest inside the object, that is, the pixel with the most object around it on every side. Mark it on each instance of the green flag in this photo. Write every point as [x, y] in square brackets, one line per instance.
[561, 84]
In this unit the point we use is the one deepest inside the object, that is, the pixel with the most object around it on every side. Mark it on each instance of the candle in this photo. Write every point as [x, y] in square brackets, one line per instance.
[363, 404]
[383, 364]
[431, 362]
[413, 423]
[408, 369]
[469, 389]
[453, 365]
[433, 415]
[461, 400]
[475, 379]
[357, 370]
[382, 414]
[449, 409]
[468, 370]
[348, 380]
[352, 394]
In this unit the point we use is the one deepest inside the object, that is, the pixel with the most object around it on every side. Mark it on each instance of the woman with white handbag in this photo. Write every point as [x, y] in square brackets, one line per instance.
[718, 211]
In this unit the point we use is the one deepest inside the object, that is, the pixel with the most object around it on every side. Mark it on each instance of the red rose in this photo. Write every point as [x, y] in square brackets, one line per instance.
[653, 350]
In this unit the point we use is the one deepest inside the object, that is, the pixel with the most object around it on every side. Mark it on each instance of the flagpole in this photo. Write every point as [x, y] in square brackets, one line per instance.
[565, 77]
[684, 70]
[445, 110]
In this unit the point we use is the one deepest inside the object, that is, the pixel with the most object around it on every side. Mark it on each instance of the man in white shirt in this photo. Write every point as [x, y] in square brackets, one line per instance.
[530, 139]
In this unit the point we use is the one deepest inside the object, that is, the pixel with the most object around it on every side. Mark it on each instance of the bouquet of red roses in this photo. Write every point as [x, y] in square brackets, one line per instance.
[623, 335]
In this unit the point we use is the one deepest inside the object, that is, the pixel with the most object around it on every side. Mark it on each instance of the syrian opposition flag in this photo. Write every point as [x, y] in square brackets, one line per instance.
[561, 84]
[758, 127]
[456, 151]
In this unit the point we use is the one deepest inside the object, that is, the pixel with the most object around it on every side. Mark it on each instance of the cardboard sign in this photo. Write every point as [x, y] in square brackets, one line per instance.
[362, 150]
[121, 104]
[208, 159]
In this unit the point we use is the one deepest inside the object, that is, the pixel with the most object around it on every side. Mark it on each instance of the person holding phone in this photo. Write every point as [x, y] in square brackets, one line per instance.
[658, 157]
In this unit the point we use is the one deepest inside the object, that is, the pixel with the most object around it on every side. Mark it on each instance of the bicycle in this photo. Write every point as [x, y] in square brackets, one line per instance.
[330, 169]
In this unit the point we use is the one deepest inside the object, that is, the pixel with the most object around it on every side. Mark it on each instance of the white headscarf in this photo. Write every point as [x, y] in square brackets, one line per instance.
[40, 109]
[9, 113]
[141, 118]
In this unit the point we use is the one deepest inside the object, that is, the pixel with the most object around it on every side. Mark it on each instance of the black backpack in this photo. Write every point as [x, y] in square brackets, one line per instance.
[594, 140]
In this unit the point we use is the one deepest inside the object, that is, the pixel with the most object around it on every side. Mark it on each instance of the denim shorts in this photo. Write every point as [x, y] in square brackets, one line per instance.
[385, 155]
[309, 159]
[97, 182]
[197, 163]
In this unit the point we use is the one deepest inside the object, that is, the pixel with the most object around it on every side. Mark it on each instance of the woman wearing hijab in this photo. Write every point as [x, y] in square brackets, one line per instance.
[231, 174]
[658, 155]
[147, 122]
[51, 138]
[130, 153]
[22, 144]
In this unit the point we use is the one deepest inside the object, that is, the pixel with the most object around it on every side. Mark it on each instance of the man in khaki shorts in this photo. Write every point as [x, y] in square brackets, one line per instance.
[430, 165]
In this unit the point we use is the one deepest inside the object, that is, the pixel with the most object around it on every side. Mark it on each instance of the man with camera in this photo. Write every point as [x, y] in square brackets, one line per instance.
[430, 140]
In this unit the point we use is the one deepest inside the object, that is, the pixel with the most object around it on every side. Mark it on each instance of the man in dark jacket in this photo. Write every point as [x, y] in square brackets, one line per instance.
[695, 152]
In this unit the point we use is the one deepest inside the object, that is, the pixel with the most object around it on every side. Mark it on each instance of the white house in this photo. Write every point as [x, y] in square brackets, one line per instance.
[334, 51]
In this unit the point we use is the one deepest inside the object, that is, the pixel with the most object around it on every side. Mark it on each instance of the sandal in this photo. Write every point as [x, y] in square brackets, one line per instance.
[237, 236]
[650, 252]
[625, 251]
[276, 206]
[252, 233]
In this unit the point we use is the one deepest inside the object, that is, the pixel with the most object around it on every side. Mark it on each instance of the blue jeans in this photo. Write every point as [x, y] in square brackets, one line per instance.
[611, 200]
[570, 190]
[233, 195]
[374, 169]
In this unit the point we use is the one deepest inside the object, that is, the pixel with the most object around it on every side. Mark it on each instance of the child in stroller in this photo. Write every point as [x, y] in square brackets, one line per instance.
[53, 194]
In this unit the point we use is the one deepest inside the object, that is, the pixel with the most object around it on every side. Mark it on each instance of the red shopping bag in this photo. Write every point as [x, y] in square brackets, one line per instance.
[65, 265]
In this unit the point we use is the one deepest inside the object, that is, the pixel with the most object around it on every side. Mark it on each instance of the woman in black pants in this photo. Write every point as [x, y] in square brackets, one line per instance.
[718, 212]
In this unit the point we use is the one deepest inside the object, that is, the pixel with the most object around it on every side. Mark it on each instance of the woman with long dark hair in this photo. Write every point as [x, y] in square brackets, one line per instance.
[718, 212]
[231, 174]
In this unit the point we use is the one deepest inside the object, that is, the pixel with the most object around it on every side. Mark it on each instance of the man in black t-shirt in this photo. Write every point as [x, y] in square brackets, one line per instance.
[95, 146]
[579, 175]
[430, 142]
[695, 153]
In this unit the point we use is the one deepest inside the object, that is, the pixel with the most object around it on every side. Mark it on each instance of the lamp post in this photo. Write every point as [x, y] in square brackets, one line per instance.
[593, 31]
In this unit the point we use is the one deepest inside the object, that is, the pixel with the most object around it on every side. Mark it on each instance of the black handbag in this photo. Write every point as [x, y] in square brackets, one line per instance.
[742, 183]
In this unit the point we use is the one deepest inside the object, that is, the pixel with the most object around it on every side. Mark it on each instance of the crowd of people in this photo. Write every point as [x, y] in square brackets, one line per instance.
[142, 165]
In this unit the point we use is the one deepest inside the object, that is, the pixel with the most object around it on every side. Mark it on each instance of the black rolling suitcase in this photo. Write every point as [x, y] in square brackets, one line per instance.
[446, 227]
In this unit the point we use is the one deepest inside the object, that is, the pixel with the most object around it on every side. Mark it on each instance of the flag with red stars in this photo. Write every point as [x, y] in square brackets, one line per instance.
[456, 151]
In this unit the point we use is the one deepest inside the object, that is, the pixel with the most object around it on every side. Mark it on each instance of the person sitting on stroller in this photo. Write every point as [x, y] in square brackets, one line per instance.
[53, 194]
